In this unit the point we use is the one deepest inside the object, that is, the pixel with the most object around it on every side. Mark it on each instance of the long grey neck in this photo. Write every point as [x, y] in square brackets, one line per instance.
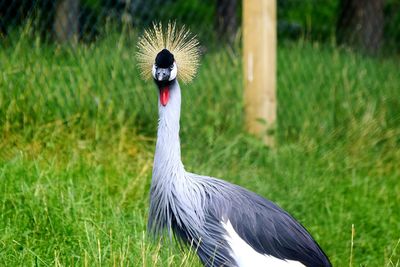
[167, 158]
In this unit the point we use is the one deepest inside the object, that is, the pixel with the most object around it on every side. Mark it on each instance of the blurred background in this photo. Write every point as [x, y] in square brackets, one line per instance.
[370, 25]
[78, 126]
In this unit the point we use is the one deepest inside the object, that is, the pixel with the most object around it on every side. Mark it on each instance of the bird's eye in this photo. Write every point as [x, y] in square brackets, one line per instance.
[171, 68]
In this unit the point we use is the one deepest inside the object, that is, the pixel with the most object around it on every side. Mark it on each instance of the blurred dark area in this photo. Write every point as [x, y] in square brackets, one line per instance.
[368, 25]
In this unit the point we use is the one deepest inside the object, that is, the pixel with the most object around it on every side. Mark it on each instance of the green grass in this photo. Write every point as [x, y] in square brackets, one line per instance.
[78, 133]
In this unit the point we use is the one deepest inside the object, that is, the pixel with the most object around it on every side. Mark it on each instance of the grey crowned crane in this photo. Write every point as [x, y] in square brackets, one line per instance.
[226, 224]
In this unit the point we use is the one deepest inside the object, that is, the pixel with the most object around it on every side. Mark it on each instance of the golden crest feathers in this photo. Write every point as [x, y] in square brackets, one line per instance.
[180, 42]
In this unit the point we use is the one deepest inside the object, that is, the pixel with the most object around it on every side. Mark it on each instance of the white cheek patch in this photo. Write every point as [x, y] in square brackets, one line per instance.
[174, 72]
[153, 71]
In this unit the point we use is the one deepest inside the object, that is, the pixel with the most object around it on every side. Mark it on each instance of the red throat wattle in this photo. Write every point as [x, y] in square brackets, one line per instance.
[164, 95]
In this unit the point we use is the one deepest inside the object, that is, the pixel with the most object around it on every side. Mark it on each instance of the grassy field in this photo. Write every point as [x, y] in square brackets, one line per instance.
[78, 133]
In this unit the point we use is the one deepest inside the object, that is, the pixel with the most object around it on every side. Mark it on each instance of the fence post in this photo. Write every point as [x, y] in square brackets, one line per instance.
[66, 21]
[259, 52]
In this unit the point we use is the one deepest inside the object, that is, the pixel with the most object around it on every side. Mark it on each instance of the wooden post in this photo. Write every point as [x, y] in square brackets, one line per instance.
[66, 21]
[259, 52]
[361, 24]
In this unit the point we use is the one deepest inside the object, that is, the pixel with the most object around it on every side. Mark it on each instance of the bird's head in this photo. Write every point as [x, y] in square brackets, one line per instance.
[166, 55]
[164, 69]
[164, 72]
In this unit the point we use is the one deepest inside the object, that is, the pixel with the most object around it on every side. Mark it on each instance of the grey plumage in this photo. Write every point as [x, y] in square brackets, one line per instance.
[193, 206]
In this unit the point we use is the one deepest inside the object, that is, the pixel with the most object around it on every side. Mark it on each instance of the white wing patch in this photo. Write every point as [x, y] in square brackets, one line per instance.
[246, 256]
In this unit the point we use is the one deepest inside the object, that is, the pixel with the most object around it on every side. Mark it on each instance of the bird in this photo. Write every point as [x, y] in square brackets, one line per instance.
[227, 225]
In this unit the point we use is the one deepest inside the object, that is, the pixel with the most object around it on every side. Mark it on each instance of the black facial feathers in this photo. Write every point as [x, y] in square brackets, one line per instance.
[164, 59]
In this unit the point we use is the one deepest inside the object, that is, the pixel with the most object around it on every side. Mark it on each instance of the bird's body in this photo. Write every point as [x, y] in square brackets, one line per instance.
[226, 224]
